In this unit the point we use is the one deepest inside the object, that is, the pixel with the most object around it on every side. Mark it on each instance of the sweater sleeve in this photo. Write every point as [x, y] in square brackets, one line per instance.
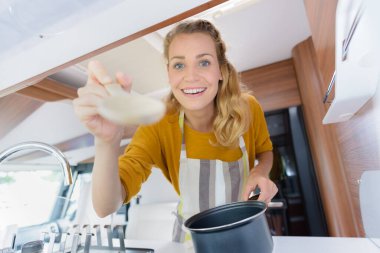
[140, 156]
[262, 137]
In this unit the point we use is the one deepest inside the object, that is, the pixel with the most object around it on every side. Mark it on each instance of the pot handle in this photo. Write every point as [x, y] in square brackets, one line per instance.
[273, 204]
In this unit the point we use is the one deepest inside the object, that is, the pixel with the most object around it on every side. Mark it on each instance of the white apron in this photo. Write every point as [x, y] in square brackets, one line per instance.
[205, 184]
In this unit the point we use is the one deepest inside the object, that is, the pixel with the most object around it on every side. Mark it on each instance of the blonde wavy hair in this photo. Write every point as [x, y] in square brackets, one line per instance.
[233, 114]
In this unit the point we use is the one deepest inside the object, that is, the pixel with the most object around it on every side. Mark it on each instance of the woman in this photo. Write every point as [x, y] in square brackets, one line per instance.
[207, 143]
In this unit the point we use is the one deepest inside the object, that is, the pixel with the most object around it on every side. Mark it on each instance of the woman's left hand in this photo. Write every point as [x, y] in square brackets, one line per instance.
[259, 178]
[268, 188]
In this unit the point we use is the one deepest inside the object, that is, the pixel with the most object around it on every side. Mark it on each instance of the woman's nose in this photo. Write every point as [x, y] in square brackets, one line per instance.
[191, 74]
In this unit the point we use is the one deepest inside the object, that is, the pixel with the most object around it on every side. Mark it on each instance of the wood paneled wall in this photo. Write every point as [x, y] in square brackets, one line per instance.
[329, 168]
[321, 14]
[274, 86]
[357, 140]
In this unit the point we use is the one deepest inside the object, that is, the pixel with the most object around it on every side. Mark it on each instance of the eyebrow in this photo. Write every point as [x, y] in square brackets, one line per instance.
[183, 57]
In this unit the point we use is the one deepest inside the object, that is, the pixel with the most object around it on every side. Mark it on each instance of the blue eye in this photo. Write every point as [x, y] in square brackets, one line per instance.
[204, 63]
[178, 66]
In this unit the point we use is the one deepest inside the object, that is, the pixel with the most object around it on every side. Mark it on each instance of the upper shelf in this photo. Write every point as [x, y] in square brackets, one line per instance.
[35, 57]
[357, 75]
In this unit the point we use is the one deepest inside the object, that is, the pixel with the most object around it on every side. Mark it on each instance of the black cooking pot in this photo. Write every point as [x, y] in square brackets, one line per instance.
[240, 227]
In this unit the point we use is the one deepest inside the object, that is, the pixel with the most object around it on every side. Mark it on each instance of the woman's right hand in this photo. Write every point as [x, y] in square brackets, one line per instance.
[91, 95]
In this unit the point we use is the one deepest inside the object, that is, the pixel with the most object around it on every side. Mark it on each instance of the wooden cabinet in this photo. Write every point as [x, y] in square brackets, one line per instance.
[342, 151]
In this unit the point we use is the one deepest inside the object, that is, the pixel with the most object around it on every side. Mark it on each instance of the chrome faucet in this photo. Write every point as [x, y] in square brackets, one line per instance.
[66, 169]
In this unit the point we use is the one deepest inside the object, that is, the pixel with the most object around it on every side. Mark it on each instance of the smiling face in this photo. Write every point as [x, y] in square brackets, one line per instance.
[194, 71]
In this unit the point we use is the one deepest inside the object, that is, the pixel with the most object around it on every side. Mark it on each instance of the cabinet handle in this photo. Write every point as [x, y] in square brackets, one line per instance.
[332, 82]
[347, 40]
[345, 47]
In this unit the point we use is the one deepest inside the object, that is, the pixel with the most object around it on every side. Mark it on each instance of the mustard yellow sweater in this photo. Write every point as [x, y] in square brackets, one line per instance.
[159, 145]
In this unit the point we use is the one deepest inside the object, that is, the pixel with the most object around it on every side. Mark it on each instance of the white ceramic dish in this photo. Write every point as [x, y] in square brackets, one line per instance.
[124, 108]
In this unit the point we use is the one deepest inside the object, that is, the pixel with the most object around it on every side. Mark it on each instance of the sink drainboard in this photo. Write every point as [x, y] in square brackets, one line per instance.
[81, 239]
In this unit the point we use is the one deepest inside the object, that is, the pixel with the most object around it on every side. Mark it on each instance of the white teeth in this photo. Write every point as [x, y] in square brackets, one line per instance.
[193, 91]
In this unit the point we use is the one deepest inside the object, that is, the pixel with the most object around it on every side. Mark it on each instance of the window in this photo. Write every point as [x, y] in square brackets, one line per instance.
[28, 196]
[31, 184]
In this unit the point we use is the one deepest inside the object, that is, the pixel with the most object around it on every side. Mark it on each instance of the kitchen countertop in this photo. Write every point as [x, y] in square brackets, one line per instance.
[282, 244]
